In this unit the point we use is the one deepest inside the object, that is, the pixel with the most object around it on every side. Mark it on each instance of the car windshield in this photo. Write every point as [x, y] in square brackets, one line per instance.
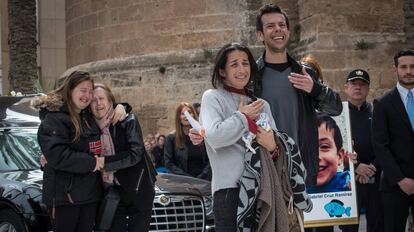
[19, 150]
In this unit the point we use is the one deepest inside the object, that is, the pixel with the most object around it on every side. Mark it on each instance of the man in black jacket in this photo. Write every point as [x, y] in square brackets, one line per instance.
[367, 170]
[393, 141]
[293, 94]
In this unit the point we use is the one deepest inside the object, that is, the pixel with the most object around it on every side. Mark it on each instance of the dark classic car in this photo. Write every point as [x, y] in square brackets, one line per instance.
[181, 203]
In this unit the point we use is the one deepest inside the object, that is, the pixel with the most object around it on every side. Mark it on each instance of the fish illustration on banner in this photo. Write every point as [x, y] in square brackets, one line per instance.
[336, 208]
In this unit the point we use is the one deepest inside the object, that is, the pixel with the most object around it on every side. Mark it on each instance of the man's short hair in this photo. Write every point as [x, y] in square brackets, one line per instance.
[405, 52]
[266, 9]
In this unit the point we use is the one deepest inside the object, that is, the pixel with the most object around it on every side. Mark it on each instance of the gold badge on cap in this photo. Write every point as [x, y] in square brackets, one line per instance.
[359, 73]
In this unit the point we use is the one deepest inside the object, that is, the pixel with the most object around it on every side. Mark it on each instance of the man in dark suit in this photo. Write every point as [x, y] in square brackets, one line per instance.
[393, 141]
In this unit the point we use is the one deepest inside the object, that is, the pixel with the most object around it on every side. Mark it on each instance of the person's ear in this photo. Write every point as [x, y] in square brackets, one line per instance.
[259, 36]
[394, 69]
[341, 156]
[222, 73]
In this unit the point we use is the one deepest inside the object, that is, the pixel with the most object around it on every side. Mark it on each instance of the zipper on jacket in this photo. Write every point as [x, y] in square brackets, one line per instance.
[139, 180]
[69, 198]
[53, 209]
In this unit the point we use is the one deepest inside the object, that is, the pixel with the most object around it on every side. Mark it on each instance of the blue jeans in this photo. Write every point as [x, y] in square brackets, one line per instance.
[225, 203]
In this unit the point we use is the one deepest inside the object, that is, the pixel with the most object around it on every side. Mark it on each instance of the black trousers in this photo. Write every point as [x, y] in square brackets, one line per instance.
[396, 206]
[369, 197]
[225, 203]
[137, 221]
[75, 218]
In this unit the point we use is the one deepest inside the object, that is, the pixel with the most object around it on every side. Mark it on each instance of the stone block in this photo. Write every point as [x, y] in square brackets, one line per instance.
[89, 22]
[60, 35]
[104, 51]
[117, 4]
[189, 7]
[60, 9]
[213, 22]
[73, 42]
[90, 37]
[77, 10]
[169, 27]
[104, 18]
[387, 79]
[48, 62]
[163, 43]
[98, 5]
[47, 9]
[207, 39]
[330, 59]
[47, 33]
[60, 62]
[157, 10]
[219, 6]
[130, 13]
[73, 27]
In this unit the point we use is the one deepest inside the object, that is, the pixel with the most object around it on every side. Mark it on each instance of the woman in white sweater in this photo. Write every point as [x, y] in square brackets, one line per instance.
[228, 112]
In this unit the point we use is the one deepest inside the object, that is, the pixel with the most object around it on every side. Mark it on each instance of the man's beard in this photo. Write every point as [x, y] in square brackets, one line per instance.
[405, 81]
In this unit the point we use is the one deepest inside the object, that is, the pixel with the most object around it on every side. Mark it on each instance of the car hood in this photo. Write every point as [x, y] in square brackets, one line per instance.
[165, 182]
[182, 184]
[20, 179]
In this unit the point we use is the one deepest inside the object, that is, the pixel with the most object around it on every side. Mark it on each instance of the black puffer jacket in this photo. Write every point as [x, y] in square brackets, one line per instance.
[68, 176]
[133, 167]
[322, 99]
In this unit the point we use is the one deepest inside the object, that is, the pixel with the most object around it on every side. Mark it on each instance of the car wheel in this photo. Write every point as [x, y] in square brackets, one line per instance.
[11, 222]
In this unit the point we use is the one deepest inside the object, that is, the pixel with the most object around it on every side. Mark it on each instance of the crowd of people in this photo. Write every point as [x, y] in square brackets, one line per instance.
[92, 146]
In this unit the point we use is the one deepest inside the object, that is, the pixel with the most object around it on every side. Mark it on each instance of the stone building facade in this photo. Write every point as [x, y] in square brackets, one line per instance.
[155, 54]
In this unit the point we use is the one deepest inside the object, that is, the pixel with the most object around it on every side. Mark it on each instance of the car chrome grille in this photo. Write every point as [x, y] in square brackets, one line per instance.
[177, 213]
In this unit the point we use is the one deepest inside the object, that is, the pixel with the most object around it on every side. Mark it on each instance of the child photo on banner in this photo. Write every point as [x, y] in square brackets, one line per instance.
[333, 196]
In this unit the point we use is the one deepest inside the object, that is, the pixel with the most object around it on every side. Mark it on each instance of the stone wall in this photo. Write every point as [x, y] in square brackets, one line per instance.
[129, 44]
[98, 30]
[155, 54]
[344, 35]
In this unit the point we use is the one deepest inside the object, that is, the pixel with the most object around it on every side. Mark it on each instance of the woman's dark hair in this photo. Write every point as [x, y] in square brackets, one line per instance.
[65, 91]
[267, 9]
[221, 61]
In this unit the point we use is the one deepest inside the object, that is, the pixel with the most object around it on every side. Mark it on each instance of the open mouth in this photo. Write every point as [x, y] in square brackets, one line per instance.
[278, 38]
[322, 168]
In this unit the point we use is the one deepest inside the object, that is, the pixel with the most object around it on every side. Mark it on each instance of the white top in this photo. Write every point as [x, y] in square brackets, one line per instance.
[224, 126]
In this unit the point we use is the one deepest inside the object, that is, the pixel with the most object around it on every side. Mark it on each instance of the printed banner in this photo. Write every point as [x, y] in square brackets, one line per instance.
[334, 197]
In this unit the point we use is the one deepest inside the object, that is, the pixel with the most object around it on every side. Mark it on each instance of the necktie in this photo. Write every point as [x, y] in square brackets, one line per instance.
[410, 107]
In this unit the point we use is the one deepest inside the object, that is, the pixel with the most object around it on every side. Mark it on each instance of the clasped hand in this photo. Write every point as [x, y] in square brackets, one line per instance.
[251, 110]
[266, 139]
[100, 163]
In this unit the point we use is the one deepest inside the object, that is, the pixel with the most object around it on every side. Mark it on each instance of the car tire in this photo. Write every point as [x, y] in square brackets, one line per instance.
[11, 221]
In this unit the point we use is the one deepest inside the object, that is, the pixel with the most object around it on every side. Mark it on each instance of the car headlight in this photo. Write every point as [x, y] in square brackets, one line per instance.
[208, 205]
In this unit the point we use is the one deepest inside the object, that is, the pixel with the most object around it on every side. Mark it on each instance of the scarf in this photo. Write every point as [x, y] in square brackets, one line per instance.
[108, 148]
[247, 212]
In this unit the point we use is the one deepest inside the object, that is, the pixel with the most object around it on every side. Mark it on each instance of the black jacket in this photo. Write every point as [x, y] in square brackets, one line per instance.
[321, 98]
[392, 139]
[68, 176]
[133, 167]
[176, 160]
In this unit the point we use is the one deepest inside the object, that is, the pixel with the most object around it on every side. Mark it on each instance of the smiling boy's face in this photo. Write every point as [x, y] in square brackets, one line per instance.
[329, 156]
